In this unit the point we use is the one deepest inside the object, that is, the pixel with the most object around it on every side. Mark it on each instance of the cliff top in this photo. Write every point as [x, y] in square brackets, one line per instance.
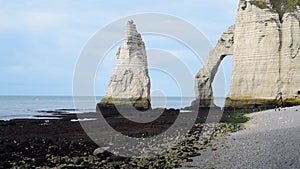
[279, 6]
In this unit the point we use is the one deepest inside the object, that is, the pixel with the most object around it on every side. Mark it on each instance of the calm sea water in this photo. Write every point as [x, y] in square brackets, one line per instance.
[15, 107]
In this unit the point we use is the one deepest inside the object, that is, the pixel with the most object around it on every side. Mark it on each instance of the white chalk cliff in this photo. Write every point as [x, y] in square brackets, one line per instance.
[266, 56]
[130, 80]
[206, 75]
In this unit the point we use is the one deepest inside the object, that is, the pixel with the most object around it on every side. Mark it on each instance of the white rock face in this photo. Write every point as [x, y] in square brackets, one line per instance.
[205, 77]
[266, 55]
[266, 58]
[290, 56]
[130, 79]
[256, 55]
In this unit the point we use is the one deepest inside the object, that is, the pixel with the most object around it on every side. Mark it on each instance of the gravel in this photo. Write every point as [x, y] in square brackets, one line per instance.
[271, 139]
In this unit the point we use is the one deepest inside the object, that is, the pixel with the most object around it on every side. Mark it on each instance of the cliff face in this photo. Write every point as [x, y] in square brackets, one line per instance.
[266, 55]
[130, 82]
[266, 52]
[256, 56]
[290, 56]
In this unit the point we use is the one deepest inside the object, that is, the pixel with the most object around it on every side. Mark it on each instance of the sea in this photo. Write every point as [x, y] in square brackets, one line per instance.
[32, 107]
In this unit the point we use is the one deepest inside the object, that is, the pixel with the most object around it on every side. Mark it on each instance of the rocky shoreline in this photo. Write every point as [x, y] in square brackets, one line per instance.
[62, 143]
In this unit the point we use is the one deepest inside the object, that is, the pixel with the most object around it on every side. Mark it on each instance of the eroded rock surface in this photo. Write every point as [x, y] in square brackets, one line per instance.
[130, 82]
[205, 77]
[256, 58]
[266, 55]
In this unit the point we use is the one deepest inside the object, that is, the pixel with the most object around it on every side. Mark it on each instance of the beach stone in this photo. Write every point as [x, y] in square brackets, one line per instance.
[130, 82]
[102, 153]
[98, 151]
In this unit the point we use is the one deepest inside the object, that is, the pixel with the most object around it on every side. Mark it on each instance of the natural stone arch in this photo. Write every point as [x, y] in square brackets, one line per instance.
[266, 55]
[206, 75]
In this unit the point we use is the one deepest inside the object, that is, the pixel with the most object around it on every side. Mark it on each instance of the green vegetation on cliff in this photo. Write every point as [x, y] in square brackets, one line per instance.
[279, 6]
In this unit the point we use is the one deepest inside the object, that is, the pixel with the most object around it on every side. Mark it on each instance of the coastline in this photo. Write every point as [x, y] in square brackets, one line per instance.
[270, 139]
[28, 142]
[62, 143]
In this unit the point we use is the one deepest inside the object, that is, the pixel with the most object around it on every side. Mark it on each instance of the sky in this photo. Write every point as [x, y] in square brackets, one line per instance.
[41, 41]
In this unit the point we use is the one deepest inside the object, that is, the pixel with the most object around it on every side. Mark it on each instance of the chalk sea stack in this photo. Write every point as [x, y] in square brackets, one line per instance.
[265, 45]
[130, 83]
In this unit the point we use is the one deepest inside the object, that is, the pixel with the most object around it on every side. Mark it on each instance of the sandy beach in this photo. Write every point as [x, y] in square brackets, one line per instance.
[271, 139]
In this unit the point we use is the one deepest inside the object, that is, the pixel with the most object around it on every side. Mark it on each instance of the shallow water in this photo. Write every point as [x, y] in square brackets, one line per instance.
[15, 107]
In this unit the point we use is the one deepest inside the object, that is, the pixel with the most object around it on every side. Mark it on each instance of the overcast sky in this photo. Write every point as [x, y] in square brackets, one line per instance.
[42, 40]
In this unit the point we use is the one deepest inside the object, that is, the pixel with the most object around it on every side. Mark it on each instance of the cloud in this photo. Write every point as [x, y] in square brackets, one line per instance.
[39, 21]
[12, 69]
[44, 39]
[35, 22]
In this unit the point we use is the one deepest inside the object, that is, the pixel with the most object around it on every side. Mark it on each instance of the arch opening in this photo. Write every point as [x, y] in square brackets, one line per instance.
[206, 75]
[221, 90]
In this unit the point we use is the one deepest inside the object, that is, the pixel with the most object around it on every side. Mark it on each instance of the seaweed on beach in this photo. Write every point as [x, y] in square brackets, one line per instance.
[63, 144]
